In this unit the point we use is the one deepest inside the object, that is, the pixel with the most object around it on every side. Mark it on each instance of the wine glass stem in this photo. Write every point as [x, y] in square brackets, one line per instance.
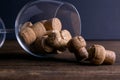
[6, 30]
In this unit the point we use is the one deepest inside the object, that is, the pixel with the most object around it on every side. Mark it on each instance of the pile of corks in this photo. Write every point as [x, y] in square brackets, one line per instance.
[47, 37]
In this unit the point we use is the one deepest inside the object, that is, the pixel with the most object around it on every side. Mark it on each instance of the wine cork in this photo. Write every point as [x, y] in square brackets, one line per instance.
[41, 46]
[81, 54]
[53, 24]
[97, 54]
[77, 45]
[39, 29]
[66, 36]
[110, 57]
[54, 38]
[58, 39]
[28, 35]
[26, 24]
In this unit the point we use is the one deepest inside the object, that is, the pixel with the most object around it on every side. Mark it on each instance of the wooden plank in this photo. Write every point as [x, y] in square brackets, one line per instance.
[15, 64]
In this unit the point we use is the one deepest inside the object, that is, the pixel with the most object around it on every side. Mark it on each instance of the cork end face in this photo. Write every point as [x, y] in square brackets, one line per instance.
[81, 40]
[56, 23]
[110, 57]
[53, 24]
[77, 42]
[66, 36]
[98, 55]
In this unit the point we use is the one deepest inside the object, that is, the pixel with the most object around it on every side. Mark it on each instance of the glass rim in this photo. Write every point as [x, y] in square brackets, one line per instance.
[3, 34]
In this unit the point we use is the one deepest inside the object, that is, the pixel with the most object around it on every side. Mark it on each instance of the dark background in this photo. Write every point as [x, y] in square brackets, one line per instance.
[100, 18]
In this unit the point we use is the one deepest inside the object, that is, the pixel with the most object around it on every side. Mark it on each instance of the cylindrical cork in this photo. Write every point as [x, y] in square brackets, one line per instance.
[28, 35]
[77, 46]
[53, 24]
[37, 46]
[97, 54]
[75, 43]
[26, 24]
[110, 57]
[66, 36]
[81, 54]
[46, 47]
[41, 46]
[54, 38]
[39, 29]
[58, 39]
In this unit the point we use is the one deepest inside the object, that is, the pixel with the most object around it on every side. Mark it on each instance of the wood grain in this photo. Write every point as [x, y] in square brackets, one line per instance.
[16, 64]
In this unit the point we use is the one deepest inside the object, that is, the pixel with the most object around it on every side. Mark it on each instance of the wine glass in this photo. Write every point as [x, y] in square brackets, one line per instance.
[43, 10]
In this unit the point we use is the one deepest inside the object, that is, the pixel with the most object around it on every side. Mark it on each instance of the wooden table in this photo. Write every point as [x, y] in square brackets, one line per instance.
[16, 64]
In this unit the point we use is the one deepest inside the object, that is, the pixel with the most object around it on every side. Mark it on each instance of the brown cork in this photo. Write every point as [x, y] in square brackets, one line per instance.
[46, 47]
[110, 57]
[75, 43]
[28, 35]
[77, 46]
[97, 54]
[26, 24]
[41, 46]
[39, 29]
[66, 36]
[81, 54]
[54, 38]
[53, 24]
[59, 39]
